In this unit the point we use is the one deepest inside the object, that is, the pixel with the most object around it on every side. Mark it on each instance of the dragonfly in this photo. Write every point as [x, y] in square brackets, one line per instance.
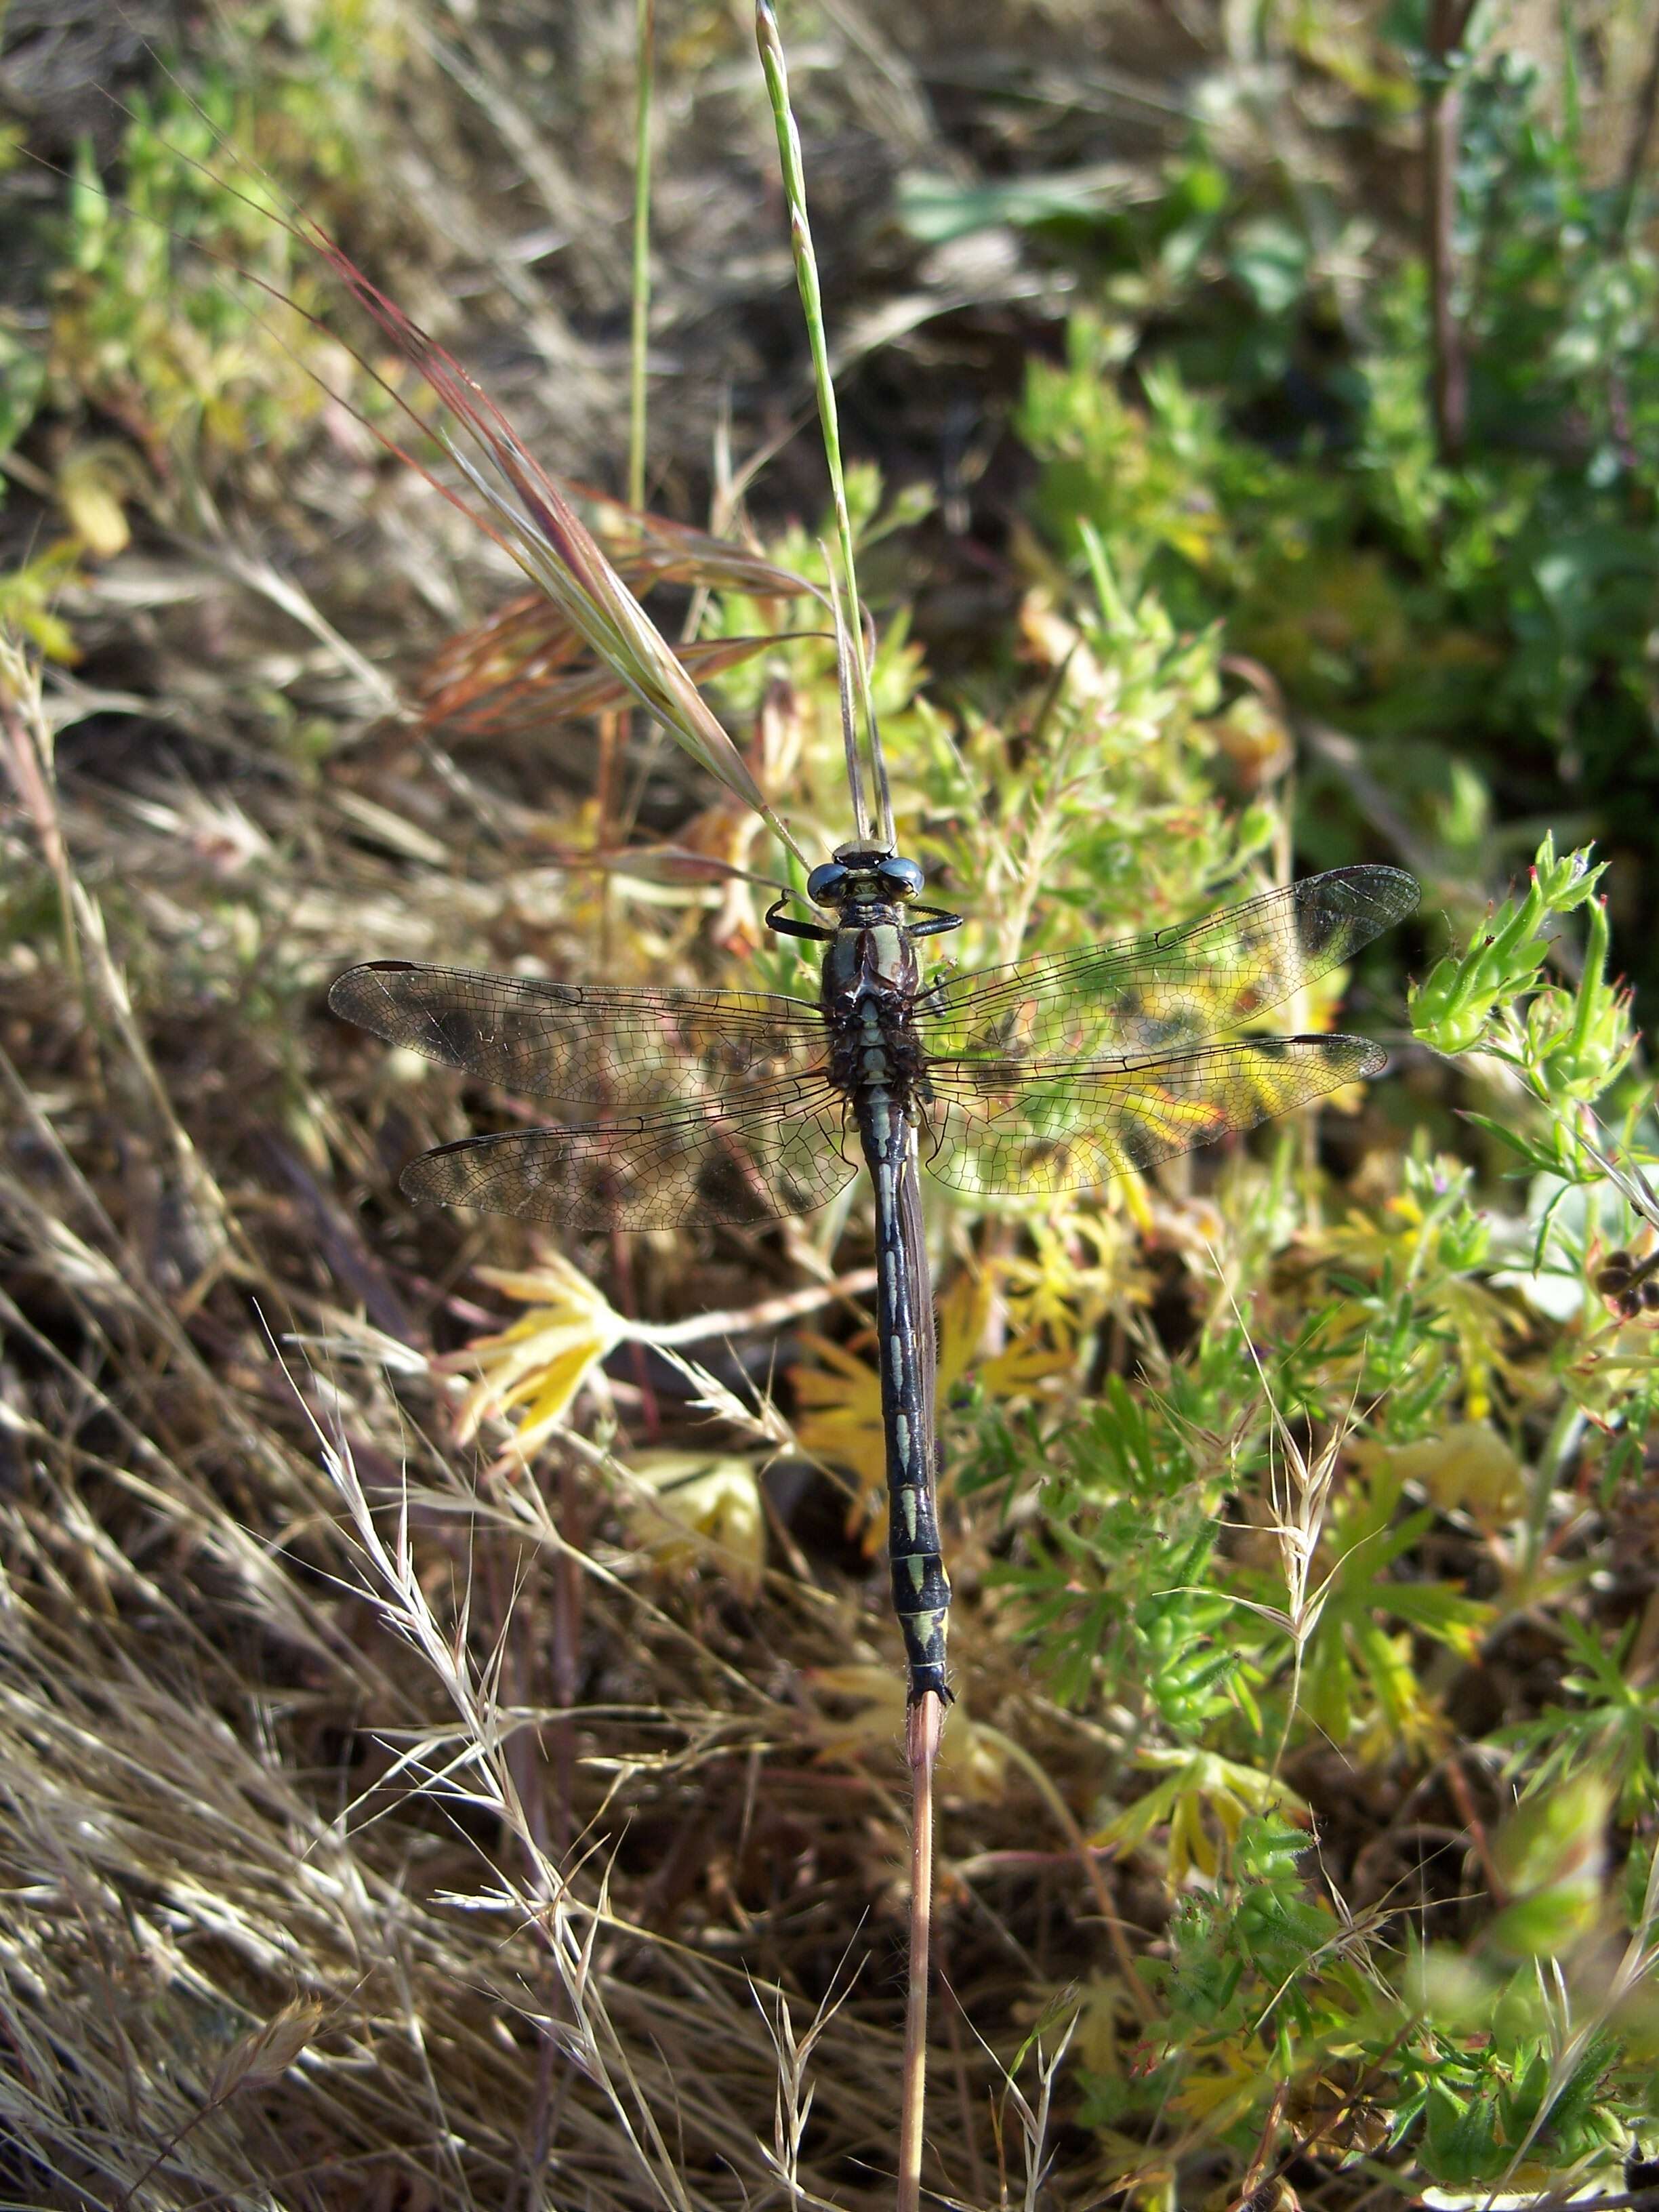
[1057, 1072]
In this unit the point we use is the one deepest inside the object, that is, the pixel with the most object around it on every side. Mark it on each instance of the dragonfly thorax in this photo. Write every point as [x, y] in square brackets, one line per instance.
[871, 972]
[870, 984]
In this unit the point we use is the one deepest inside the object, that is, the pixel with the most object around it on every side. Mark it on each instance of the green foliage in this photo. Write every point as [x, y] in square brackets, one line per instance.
[1482, 623]
[1106, 1591]
[1612, 1727]
[1244, 1967]
[1482, 2108]
[168, 311]
[1266, 1985]
[1548, 1857]
[1571, 1048]
[22, 377]
[1271, 458]
[1367, 1536]
[1568, 1047]
[28, 597]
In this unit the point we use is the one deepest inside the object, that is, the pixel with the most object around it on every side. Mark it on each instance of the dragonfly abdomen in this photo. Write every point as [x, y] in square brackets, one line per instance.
[878, 1063]
[921, 1589]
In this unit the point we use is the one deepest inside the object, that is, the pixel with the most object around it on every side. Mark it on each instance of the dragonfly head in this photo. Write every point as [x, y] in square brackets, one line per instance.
[862, 875]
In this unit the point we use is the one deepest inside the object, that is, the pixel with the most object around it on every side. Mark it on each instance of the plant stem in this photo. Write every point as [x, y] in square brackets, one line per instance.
[29, 742]
[811, 299]
[1563, 1440]
[569, 1590]
[1442, 115]
[921, 1750]
[769, 1314]
[1643, 118]
[639, 332]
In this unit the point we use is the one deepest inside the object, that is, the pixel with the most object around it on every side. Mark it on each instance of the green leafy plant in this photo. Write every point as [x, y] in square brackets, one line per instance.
[1611, 1727]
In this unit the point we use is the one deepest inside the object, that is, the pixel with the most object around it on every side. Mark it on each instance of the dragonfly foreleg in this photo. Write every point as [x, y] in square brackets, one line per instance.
[939, 919]
[783, 925]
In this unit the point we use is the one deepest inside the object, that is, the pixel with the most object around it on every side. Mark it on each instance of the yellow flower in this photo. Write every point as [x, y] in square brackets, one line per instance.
[536, 1367]
[1470, 1465]
[690, 1507]
[1204, 1800]
[93, 481]
[1226, 2084]
[1079, 1266]
[839, 1417]
[840, 1400]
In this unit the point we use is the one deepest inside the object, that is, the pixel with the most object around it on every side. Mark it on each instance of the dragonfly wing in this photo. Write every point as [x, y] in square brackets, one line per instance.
[582, 1041]
[1169, 990]
[770, 1150]
[1010, 1127]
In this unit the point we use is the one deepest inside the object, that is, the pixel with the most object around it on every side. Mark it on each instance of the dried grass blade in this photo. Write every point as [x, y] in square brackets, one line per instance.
[506, 703]
[555, 549]
[532, 520]
[652, 548]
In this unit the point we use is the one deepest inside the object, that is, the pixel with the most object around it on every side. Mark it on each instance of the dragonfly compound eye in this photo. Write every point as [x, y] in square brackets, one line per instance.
[826, 884]
[900, 879]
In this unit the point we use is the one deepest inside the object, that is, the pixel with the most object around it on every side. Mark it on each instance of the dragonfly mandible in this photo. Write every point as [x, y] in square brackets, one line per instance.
[1057, 1072]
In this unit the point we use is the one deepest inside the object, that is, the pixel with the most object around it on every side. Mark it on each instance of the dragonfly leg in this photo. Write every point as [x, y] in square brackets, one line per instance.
[776, 920]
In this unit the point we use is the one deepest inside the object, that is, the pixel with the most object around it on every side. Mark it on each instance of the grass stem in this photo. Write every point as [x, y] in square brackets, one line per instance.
[1442, 120]
[640, 325]
[812, 298]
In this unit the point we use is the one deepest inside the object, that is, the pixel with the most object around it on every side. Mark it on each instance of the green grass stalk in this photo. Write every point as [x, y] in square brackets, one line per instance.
[812, 299]
[639, 328]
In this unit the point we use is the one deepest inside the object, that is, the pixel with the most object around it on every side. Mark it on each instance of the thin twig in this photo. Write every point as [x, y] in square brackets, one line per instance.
[767, 1312]
[28, 756]
[923, 1730]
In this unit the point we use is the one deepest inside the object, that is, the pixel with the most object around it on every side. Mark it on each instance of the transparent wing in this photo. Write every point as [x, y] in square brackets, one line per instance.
[582, 1041]
[1174, 988]
[1007, 1128]
[773, 1150]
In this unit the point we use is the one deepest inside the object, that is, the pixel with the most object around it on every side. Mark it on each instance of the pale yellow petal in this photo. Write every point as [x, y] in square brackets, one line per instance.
[703, 1510]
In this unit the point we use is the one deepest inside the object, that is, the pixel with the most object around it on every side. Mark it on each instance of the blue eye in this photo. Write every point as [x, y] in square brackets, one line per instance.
[826, 884]
[902, 878]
